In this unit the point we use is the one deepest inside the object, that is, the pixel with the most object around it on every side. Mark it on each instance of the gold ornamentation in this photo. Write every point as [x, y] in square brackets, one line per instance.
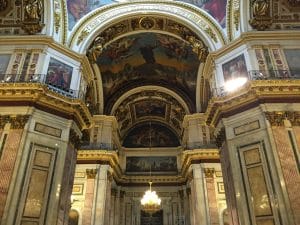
[95, 51]
[209, 172]
[277, 118]
[19, 121]
[236, 18]
[33, 12]
[4, 119]
[199, 48]
[147, 22]
[212, 34]
[84, 33]
[57, 21]
[91, 173]
[261, 19]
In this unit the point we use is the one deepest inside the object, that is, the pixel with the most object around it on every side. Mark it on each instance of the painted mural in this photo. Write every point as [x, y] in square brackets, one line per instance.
[157, 163]
[292, 57]
[216, 8]
[235, 68]
[59, 74]
[159, 135]
[149, 58]
[78, 8]
[150, 108]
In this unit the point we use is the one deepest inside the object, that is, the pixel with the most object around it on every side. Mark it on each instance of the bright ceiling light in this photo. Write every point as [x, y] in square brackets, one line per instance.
[234, 84]
[150, 201]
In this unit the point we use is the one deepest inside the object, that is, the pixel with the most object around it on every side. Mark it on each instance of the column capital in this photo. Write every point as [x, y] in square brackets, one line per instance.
[18, 121]
[91, 173]
[277, 118]
[209, 172]
[4, 119]
[220, 137]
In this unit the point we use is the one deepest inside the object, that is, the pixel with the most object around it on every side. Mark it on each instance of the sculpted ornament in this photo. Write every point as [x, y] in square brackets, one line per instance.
[261, 19]
[33, 13]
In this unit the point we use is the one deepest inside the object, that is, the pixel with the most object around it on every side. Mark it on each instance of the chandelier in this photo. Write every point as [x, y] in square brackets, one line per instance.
[150, 201]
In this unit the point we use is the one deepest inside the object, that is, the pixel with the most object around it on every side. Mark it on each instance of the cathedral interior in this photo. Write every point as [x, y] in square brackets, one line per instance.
[197, 100]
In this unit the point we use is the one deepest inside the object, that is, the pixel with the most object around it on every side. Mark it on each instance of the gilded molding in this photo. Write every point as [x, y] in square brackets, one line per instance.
[251, 94]
[39, 95]
[91, 173]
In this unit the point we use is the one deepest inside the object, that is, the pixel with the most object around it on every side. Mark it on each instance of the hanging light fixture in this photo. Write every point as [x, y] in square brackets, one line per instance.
[150, 201]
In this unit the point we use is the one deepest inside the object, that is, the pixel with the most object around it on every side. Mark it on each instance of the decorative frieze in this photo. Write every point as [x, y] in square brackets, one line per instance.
[16, 121]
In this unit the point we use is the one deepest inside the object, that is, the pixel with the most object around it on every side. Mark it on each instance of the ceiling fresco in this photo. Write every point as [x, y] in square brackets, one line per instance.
[149, 106]
[149, 58]
[78, 8]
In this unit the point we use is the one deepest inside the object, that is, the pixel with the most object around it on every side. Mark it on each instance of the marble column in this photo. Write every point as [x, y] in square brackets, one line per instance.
[199, 196]
[102, 187]
[89, 196]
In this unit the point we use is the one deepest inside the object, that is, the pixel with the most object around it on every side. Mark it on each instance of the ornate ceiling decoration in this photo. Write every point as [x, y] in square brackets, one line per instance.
[151, 24]
[148, 105]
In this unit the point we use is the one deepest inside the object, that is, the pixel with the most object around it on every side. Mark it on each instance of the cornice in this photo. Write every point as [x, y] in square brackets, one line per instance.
[39, 96]
[197, 156]
[111, 157]
[255, 93]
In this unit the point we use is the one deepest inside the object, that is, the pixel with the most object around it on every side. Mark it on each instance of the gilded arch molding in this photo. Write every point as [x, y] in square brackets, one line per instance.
[196, 19]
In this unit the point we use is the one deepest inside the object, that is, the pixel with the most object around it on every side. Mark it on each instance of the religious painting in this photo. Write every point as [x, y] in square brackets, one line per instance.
[59, 74]
[4, 61]
[150, 108]
[149, 58]
[78, 8]
[157, 135]
[143, 164]
[292, 57]
[216, 8]
[235, 68]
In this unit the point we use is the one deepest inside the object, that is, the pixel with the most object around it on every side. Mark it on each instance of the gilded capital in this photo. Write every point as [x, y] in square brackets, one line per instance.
[209, 172]
[19, 121]
[4, 119]
[91, 173]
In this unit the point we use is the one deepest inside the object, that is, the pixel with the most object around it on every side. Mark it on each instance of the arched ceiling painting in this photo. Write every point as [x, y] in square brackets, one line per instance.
[78, 8]
[148, 58]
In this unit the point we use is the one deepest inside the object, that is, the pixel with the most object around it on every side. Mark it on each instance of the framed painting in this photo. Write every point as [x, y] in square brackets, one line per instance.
[292, 57]
[235, 68]
[59, 74]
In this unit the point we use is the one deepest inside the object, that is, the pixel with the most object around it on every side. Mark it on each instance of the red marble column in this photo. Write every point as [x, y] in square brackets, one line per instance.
[289, 167]
[89, 196]
[211, 195]
[9, 156]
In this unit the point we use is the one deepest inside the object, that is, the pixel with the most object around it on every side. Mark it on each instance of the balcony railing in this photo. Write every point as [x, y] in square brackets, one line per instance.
[261, 75]
[41, 78]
